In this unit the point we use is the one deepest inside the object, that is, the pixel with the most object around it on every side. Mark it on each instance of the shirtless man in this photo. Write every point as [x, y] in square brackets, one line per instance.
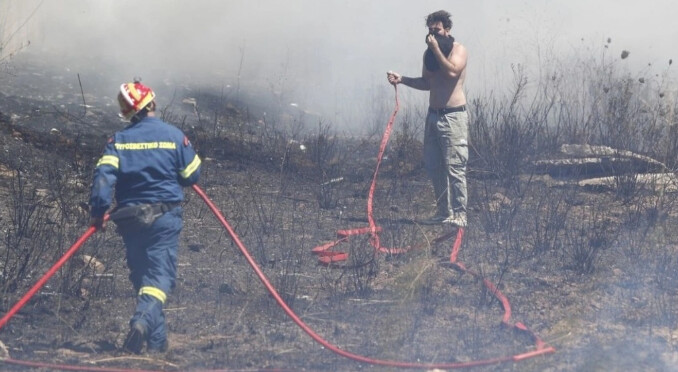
[446, 132]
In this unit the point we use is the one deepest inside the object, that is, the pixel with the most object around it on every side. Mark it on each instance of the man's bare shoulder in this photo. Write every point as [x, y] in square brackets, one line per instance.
[458, 51]
[458, 46]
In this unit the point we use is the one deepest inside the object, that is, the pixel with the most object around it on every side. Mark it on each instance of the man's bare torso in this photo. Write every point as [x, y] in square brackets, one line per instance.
[445, 91]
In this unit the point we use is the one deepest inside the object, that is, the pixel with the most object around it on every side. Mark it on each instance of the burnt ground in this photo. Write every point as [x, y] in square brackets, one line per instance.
[592, 273]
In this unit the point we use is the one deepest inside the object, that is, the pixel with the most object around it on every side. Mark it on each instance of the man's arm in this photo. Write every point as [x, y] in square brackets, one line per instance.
[417, 83]
[105, 177]
[189, 164]
[453, 65]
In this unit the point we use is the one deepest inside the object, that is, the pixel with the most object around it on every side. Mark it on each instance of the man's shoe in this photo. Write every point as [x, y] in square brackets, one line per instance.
[135, 338]
[459, 220]
[435, 220]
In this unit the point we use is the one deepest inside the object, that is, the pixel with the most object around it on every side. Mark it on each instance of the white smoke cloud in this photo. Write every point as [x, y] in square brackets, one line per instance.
[331, 56]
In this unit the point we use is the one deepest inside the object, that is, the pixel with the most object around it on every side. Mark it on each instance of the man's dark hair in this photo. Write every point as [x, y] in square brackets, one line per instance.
[440, 16]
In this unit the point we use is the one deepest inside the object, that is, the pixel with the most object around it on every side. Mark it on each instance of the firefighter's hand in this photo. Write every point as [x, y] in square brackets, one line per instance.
[98, 222]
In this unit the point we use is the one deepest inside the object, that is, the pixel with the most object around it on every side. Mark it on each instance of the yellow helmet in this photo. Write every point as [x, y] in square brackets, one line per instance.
[133, 97]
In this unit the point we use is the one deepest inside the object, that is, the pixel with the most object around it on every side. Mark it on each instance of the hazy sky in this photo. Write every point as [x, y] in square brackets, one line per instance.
[328, 53]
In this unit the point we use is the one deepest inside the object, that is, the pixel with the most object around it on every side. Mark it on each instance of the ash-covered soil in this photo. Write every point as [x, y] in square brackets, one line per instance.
[612, 308]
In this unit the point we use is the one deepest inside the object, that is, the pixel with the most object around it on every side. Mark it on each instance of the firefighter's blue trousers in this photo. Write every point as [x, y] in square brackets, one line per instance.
[152, 260]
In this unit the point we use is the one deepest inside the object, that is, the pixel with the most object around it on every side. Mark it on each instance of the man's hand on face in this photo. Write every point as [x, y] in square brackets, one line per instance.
[432, 42]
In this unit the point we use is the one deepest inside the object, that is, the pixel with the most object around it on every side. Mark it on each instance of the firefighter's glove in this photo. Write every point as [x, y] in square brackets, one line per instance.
[98, 222]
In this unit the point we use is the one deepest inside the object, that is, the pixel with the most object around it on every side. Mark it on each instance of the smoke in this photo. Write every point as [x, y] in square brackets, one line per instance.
[329, 57]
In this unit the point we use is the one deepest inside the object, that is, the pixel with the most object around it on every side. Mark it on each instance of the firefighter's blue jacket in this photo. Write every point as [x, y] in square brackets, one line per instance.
[147, 162]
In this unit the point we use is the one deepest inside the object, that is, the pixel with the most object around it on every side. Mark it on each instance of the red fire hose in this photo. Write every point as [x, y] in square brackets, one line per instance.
[69, 253]
[541, 347]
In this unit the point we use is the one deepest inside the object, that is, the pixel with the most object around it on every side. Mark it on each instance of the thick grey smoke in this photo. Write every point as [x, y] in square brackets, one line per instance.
[330, 56]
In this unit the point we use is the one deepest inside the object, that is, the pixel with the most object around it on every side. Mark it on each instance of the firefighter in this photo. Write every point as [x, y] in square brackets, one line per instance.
[147, 164]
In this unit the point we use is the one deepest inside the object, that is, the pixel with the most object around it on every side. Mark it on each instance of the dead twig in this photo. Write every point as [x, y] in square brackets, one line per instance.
[152, 360]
